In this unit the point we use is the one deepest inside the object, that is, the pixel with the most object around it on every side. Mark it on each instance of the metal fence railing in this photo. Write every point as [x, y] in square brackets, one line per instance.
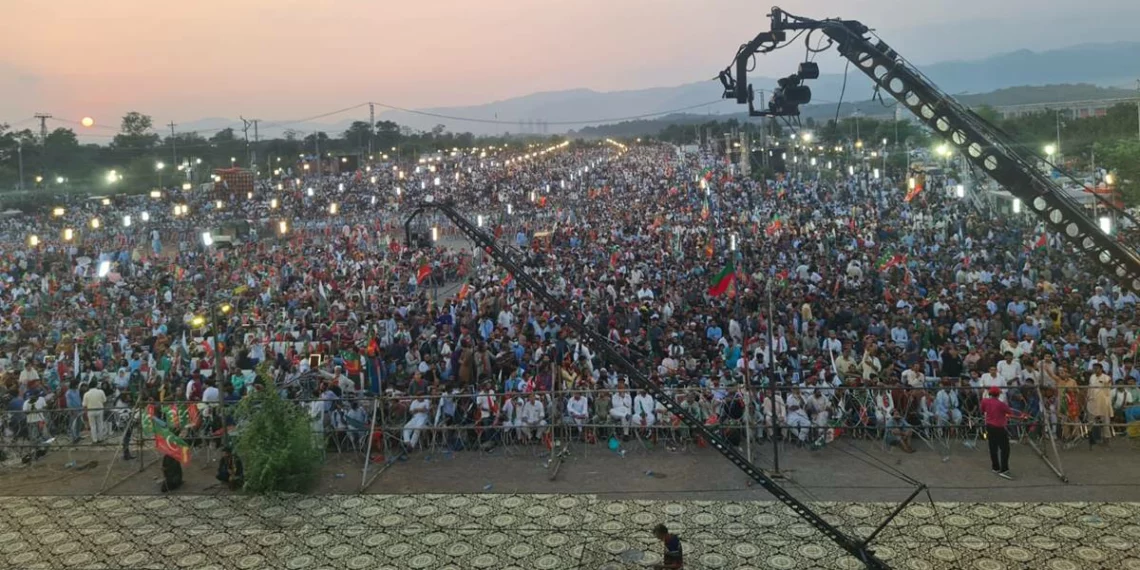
[379, 429]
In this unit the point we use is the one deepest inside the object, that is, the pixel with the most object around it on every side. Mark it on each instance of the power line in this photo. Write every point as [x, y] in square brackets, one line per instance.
[578, 122]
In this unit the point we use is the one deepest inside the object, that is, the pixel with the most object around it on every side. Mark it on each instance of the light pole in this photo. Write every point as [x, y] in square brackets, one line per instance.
[20, 153]
[158, 167]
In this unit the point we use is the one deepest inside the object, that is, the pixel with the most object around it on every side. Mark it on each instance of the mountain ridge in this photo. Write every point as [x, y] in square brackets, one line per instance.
[1100, 65]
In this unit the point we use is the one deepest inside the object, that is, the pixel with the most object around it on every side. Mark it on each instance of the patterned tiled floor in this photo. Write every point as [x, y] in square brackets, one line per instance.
[544, 532]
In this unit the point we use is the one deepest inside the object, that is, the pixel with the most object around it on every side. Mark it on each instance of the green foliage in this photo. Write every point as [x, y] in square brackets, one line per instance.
[1122, 158]
[135, 132]
[276, 445]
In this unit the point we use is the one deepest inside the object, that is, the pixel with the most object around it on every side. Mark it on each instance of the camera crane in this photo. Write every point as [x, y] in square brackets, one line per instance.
[859, 549]
[984, 145]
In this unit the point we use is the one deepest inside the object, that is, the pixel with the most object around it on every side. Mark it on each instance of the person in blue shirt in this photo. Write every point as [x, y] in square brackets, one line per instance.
[74, 411]
[713, 332]
[673, 558]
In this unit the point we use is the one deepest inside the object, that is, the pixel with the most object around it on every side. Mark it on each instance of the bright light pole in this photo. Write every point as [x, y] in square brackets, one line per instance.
[158, 168]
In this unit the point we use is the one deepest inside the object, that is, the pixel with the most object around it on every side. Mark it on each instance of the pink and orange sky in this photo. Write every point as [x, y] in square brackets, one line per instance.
[289, 58]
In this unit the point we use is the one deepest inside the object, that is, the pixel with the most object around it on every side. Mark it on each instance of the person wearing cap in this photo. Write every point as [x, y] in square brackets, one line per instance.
[997, 415]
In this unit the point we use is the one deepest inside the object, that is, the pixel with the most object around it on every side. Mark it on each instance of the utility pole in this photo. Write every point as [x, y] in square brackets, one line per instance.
[317, 142]
[173, 145]
[43, 117]
[1060, 156]
[20, 153]
[245, 129]
[256, 142]
[371, 127]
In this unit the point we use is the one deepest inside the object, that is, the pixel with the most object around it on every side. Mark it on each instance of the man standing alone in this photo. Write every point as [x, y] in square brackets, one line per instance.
[93, 402]
[997, 415]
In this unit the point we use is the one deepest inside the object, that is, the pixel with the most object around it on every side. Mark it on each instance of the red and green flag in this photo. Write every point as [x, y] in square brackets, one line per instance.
[888, 260]
[1040, 242]
[782, 278]
[720, 282]
[351, 361]
[165, 440]
[464, 291]
[912, 193]
[774, 225]
[423, 273]
[507, 279]
[706, 173]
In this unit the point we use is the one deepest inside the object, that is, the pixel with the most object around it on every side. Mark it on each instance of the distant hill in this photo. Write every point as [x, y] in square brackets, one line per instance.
[1080, 72]
[1073, 73]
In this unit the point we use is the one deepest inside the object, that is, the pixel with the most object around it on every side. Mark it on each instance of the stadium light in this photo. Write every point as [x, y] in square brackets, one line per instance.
[1017, 205]
[434, 233]
[33, 240]
[57, 212]
[95, 223]
[960, 191]
[68, 234]
[1105, 224]
[104, 268]
[282, 227]
[332, 208]
[127, 221]
[207, 239]
[145, 216]
[1108, 179]
[876, 173]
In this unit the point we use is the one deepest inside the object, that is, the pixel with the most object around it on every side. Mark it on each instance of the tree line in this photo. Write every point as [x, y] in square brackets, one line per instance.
[60, 163]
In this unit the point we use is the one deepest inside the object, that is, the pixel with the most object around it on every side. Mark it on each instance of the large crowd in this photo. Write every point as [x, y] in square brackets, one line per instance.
[850, 309]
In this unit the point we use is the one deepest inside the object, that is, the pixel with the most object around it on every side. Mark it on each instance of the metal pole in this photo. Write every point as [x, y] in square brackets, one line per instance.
[173, 146]
[772, 383]
[368, 449]
[20, 153]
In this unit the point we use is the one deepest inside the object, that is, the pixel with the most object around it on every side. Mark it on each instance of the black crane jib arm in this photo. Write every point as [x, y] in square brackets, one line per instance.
[857, 548]
[978, 141]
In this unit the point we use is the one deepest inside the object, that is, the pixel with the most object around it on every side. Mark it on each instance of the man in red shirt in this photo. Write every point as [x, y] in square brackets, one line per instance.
[997, 414]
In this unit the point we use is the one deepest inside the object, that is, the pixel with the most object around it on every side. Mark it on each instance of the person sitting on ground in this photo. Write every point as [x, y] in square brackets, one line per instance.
[230, 470]
[673, 558]
[899, 432]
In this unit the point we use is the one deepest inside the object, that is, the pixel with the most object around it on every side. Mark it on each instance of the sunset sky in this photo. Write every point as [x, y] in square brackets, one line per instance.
[290, 58]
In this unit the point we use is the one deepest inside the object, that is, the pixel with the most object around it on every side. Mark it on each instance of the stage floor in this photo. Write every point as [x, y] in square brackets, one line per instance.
[527, 532]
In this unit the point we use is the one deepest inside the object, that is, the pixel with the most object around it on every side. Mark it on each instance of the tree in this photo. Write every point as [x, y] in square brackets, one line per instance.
[136, 124]
[988, 113]
[223, 136]
[135, 132]
[318, 136]
[1122, 159]
[358, 133]
[275, 444]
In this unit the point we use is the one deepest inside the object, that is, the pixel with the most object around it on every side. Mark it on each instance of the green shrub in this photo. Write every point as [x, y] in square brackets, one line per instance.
[275, 444]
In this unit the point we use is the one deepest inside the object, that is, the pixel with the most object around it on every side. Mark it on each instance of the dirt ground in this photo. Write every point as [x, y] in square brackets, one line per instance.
[842, 471]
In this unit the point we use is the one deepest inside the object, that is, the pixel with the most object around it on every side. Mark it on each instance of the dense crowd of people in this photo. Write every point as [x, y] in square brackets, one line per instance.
[848, 310]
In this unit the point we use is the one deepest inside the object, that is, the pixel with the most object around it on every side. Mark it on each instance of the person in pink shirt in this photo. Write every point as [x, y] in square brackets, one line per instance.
[997, 415]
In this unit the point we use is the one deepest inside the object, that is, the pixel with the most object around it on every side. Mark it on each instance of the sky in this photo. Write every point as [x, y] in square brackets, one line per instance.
[285, 59]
